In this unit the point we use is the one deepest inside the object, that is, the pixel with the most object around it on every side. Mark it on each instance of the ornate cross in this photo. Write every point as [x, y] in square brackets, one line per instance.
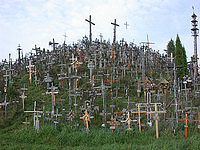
[86, 119]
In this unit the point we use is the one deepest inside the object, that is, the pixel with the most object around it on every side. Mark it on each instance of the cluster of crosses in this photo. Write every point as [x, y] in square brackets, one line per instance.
[96, 75]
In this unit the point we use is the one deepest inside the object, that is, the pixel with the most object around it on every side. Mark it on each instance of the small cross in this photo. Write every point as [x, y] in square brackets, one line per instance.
[126, 24]
[65, 36]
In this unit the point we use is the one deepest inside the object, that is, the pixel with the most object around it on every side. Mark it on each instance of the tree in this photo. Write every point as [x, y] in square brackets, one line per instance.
[181, 58]
[171, 48]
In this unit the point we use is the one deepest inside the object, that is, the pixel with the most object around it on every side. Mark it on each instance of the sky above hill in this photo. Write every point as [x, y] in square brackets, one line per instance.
[30, 22]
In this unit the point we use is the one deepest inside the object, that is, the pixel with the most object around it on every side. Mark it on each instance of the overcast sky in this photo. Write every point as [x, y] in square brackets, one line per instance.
[30, 22]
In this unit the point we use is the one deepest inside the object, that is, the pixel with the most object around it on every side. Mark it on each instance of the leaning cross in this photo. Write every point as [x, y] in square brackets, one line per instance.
[186, 119]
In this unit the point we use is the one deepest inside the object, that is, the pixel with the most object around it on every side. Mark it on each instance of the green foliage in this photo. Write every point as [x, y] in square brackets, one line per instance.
[171, 48]
[181, 59]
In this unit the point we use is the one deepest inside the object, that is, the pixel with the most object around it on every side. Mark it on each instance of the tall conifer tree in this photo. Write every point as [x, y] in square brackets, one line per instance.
[171, 48]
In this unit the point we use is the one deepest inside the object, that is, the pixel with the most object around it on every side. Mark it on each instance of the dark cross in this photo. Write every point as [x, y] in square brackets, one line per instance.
[126, 24]
[53, 44]
[37, 50]
[90, 23]
[19, 49]
[115, 24]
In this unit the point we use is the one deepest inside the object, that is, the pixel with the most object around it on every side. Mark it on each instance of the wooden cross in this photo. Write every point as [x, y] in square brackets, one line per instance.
[76, 63]
[53, 97]
[30, 71]
[86, 119]
[26, 123]
[139, 117]
[23, 96]
[34, 113]
[128, 120]
[113, 123]
[111, 81]
[90, 26]
[115, 24]
[156, 112]
[186, 119]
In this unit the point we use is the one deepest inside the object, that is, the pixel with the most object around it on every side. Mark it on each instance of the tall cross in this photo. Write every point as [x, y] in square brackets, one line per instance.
[111, 81]
[90, 26]
[139, 116]
[115, 24]
[186, 119]
[126, 24]
[156, 117]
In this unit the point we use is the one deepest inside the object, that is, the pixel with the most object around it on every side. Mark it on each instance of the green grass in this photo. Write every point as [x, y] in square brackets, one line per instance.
[61, 138]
